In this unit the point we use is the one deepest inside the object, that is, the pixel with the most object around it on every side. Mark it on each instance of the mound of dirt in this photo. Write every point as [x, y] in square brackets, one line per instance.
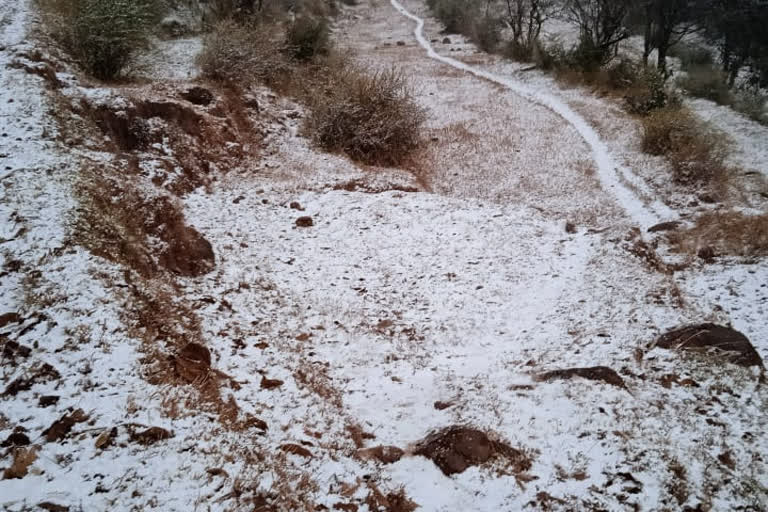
[725, 342]
[454, 449]
[599, 373]
[193, 362]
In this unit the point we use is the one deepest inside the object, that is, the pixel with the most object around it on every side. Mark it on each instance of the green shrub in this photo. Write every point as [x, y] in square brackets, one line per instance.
[103, 35]
[696, 152]
[372, 117]
[707, 82]
[234, 52]
[308, 36]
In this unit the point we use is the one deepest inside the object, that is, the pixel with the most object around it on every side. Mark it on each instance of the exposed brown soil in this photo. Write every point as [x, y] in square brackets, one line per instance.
[598, 373]
[383, 454]
[724, 342]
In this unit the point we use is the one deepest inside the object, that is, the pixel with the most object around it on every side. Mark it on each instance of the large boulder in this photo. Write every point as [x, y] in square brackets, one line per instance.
[723, 342]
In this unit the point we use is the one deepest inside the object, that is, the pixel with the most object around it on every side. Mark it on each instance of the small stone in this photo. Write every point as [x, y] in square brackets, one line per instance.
[570, 228]
[446, 40]
[296, 206]
[304, 222]
[400, 43]
[707, 253]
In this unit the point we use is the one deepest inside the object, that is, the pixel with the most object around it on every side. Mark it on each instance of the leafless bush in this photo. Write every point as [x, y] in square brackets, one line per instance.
[103, 35]
[235, 52]
[308, 36]
[370, 116]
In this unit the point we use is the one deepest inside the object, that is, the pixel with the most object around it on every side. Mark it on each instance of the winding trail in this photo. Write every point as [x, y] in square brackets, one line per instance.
[612, 176]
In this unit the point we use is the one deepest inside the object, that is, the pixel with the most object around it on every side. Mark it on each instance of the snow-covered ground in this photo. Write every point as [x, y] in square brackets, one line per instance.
[395, 313]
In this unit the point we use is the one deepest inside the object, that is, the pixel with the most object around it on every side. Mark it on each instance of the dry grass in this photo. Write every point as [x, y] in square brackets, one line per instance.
[695, 150]
[728, 233]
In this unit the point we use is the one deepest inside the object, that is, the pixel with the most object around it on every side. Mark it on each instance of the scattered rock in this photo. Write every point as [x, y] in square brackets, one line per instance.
[270, 383]
[11, 349]
[446, 40]
[106, 438]
[664, 226]
[383, 454]
[198, 96]
[10, 318]
[52, 507]
[43, 373]
[454, 449]
[16, 439]
[48, 400]
[151, 436]
[63, 426]
[600, 373]
[442, 405]
[729, 343]
[296, 449]
[305, 222]
[193, 362]
[707, 253]
[400, 43]
[22, 458]
[252, 421]
[296, 206]
[570, 228]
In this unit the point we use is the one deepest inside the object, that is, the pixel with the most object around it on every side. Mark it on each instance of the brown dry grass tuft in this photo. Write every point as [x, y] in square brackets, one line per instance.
[695, 150]
[728, 233]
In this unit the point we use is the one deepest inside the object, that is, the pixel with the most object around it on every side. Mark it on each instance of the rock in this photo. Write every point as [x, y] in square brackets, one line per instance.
[400, 43]
[446, 40]
[251, 102]
[270, 383]
[718, 340]
[383, 454]
[454, 449]
[193, 362]
[570, 228]
[189, 253]
[304, 222]
[60, 428]
[22, 458]
[296, 206]
[173, 26]
[151, 436]
[599, 373]
[296, 449]
[52, 507]
[10, 318]
[664, 226]
[48, 400]
[442, 405]
[198, 96]
[11, 349]
[706, 253]
[707, 198]
[16, 439]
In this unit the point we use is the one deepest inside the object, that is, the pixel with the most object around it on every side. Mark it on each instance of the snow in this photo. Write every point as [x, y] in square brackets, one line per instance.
[391, 301]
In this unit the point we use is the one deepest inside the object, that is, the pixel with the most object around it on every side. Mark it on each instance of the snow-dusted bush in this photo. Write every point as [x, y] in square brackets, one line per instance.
[695, 150]
[706, 81]
[752, 103]
[308, 36]
[104, 35]
[234, 52]
[370, 116]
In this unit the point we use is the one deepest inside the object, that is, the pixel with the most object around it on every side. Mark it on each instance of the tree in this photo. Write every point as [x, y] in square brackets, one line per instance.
[666, 23]
[525, 19]
[601, 27]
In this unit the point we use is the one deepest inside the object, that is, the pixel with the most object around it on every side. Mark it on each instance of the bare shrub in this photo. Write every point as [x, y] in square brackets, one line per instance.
[485, 32]
[751, 103]
[370, 116]
[234, 52]
[708, 82]
[455, 14]
[648, 91]
[308, 36]
[694, 149]
[103, 35]
[728, 233]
